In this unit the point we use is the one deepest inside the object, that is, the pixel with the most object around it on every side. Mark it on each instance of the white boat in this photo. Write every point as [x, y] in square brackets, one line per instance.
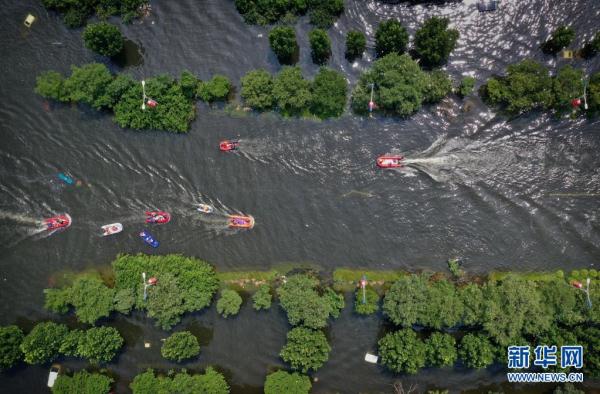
[54, 371]
[205, 208]
[110, 229]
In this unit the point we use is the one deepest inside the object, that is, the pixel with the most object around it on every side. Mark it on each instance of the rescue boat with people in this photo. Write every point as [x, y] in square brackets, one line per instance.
[390, 161]
[57, 222]
[157, 217]
[239, 221]
[229, 145]
[148, 239]
[205, 208]
[110, 229]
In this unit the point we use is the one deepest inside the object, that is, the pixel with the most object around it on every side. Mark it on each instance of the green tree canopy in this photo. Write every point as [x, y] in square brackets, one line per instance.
[329, 93]
[320, 46]
[257, 90]
[471, 297]
[283, 42]
[229, 303]
[438, 86]
[592, 47]
[180, 346]
[566, 86]
[371, 304]
[51, 84]
[99, 344]
[323, 13]
[466, 86]
[298, 296]
[402, 351]
[77, 12]
[189, 84]
[594, 94]
[282, 382]
[41, 345]
[262, 298]
[11, 338]
[217, 89]
[291, 91]
[103, 38]
[434, 41]
[440, 350]
[87, 84]
[356, 43]
[91, 298]
[561, 38]
[390, 37]
[211, 382]
[476, 351]
[305, 349]
[82, 382]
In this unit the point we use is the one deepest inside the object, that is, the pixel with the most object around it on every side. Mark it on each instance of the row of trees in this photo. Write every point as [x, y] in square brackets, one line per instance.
[292, 95]
[77, 12]
[562, 38]
[528, 86]
[49, 340]
[322, 13]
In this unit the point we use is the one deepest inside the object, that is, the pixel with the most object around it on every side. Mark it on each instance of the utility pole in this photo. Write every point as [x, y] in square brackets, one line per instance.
[143, 108]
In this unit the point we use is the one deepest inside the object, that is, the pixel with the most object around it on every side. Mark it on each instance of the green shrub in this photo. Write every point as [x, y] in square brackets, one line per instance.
[589, 338]
[189, 84]
[217, 89]
[434, 41]
[438, 86]
[371, 304]
[291, 91]
[305, 349]
[82, 382]
[211, 382]
[320, 46]
[229, 303]
[390, 37]
[476, 351]
[592, 47]
[11, 338]
[402, 351]
[356, 43]
[329, 93]
[262, 298]
[87, 84]
[560, 38]
[99, 344]
[257, 90]
[283, 42]
[51, 84]
[440, 350]
[91, 299]
[124, 300]
[180, 346]
[41, 345]
[471, 297]
[322, 13]
[282, 382]
[103, 38]
[567, 85]
[298, 296]
[467, 84]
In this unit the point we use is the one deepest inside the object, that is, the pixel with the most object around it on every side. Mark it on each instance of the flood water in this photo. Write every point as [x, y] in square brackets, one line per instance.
[504, 194]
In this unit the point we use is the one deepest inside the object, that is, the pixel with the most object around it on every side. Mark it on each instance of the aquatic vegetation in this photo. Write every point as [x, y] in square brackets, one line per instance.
[282, 40]
[467, 84]
[305, 349]
[476, 351]
[440, 350]
[356, 43]
[560, 39]
[11, 338]
[97, 345]
[257, 90]
[262, 298]
[592, 47]
[291, 91]
[77, 12]
[322, 12]
[329, 94]
[402, 351]
[371, 304]
[229, 303]
[320, 46]
[433, 41]
[287, 382]
[82, 382]
[180, 346]
[103, 38]
[210, 381]
[390, 37]
[217, 89]
[399, 86]
[41, 345]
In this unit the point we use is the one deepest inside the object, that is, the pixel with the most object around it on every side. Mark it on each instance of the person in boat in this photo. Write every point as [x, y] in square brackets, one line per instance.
[158, 218]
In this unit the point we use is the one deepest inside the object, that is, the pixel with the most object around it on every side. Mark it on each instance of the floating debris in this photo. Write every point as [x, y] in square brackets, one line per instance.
[29, 20]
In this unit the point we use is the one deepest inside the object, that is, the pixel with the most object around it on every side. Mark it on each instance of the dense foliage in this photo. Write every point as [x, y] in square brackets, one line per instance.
[402, 351]
[257, 90]
[41, 345]
[560, 39]
[320, 46]
[103, 38]
[300, 298]
[217, 89]
[77, 12]
[82, 382]
[390, 37]
[180, 346]
[94, 85]
[329, 94]
[476, 351]
[440, 350]
[229, 303]
[592, 47]
[466, 86]
[356, 43]
[282, 382]
[263, 12]
[184, 284]
[291, 91]
[283, 43]
[98, 344]
[400, 86]
[262, 298]
[370, 304]
[306, 349]
[434, 41]
[11, 338]
[210, 382]
[594, 94]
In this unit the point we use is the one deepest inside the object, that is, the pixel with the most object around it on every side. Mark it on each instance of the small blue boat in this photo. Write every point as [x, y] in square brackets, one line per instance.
[148, 239]
[65, 178]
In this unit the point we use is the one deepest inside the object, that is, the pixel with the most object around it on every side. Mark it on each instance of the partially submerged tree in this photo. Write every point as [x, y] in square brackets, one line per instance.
[229, 303]
[356, 43]
[11, 338]
[320, 46]
[103, 38]
[305, 349]
[561, 38]
[390, 37]
[283, 42]
[434, 41]
[281, 382]
[180, 346]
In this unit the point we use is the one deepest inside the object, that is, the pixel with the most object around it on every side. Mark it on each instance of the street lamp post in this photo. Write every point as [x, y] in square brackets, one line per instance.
[585, 105]
[143, 98]
[579, 285]
[145, 285]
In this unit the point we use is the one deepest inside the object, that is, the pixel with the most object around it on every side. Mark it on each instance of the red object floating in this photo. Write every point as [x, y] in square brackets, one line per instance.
[151, 103]
[238, 221]
[228, 145]
[152, 281]
[56, 222]
[576, 102]
[390, 161]
[577, 284]
[159, 217]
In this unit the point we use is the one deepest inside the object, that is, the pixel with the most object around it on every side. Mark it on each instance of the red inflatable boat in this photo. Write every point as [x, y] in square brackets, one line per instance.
[56, 222]
[228, 145]
[390, 161]
[158, 217]
[237, 221]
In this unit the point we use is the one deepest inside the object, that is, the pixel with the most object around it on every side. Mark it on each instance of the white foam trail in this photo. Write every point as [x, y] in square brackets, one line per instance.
[19, 218]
